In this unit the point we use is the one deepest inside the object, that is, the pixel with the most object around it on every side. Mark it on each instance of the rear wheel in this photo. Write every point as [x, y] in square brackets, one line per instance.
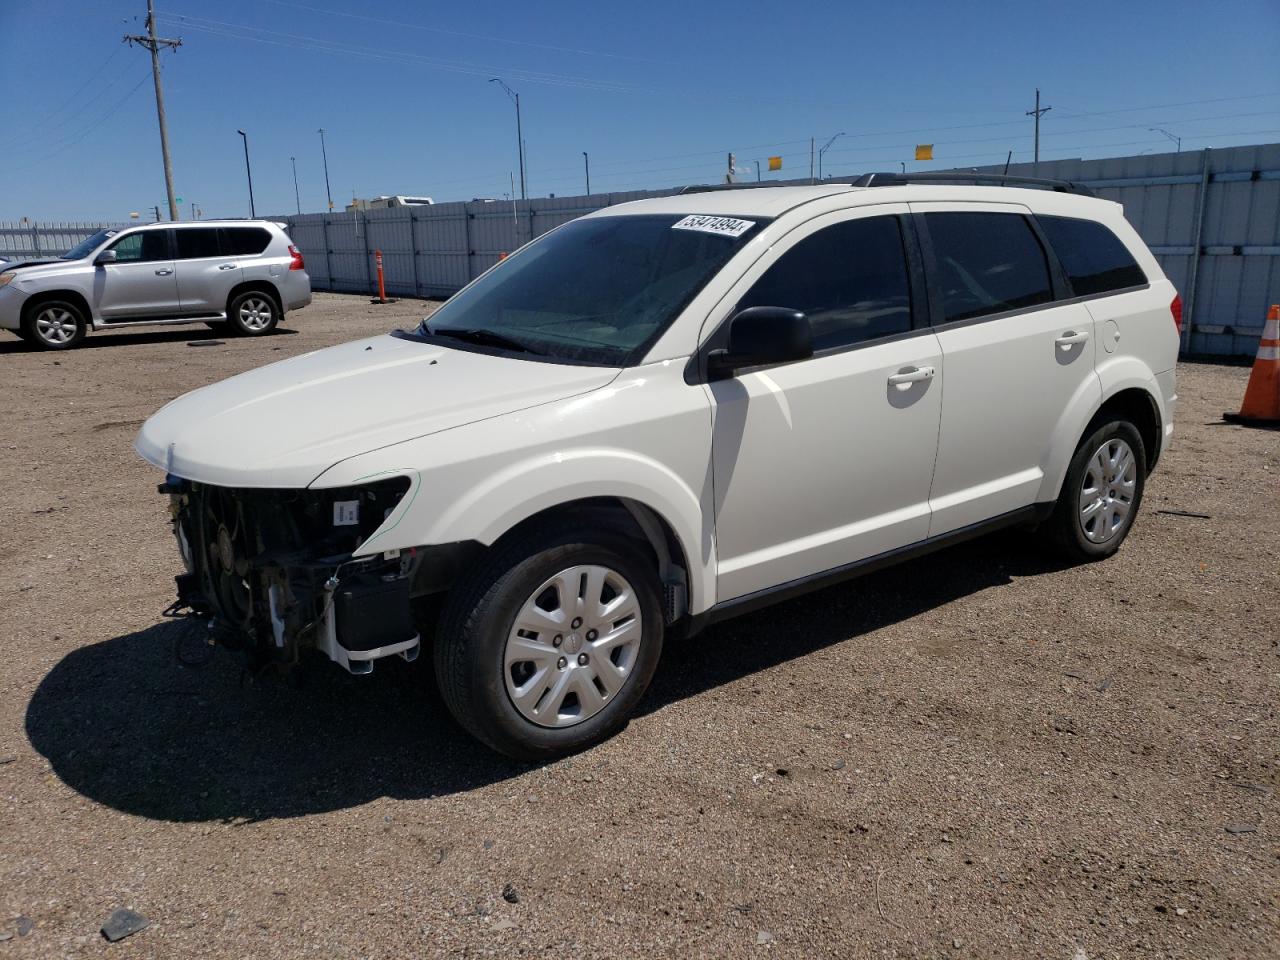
[549, 648]
[253, 314]
[1101, 493]
[54, 325]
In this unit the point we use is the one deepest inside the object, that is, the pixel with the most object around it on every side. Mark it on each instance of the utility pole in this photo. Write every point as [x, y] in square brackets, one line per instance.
[328, 195]
[253, 213]
[154, 43]
[296, 198]
[1037, 113]
[586, 163]
[515, 98]
[811, 139]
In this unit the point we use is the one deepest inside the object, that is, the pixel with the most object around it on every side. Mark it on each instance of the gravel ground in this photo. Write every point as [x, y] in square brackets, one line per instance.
[977, 754]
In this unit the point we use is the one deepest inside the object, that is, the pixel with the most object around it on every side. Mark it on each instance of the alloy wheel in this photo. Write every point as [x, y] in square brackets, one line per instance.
[56, 325]
[256, 313]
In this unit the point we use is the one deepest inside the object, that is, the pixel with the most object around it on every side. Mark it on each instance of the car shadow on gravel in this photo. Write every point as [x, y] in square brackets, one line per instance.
[107, 339]
[124, 724]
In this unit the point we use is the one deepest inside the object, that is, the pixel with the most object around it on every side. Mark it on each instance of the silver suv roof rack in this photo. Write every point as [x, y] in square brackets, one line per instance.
[984, 179]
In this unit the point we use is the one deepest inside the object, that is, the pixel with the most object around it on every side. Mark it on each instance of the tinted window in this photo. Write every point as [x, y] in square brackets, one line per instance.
[987, 263]
[849, 279]
[244, 241]
[137, 247]
[197, 242]
[1093, 257]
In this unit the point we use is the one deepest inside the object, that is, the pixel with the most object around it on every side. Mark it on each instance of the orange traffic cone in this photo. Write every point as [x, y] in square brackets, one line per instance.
[1262, 397]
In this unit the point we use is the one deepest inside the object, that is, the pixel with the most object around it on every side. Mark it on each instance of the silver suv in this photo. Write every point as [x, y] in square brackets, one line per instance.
[238, 276]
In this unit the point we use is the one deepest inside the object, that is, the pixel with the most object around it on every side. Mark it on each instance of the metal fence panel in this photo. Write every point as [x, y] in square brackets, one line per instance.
[1227, 276]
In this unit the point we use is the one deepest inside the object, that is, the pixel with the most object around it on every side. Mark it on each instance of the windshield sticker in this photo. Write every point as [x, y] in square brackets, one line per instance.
[721, 226]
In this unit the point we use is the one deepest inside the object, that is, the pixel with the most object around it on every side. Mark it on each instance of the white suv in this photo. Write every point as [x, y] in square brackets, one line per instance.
[667, 413]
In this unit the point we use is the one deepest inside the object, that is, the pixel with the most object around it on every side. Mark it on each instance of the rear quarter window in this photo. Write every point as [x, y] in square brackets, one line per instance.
[244, 241]
[1093, 258]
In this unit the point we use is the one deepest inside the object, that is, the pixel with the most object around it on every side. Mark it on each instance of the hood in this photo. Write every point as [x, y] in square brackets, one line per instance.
[6, 265]
[283, 425]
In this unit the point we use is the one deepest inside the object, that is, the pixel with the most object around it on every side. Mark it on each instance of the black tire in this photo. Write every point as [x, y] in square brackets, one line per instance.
[252, 313]
[41, 319]
[1065, 529]
[480, 614]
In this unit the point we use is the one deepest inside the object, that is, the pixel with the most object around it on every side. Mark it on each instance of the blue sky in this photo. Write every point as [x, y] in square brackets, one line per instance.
[658, 93]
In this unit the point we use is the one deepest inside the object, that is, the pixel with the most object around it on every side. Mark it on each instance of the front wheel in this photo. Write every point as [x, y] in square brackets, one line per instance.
[54, 325]
[253, 314]
[550, 647]
[1101, 493]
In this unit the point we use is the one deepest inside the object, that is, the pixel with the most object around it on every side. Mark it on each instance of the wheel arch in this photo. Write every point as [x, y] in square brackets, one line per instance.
[73, 297]
[260, 286]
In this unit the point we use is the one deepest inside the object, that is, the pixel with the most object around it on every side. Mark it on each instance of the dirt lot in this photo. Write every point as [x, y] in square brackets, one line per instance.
[979, 754]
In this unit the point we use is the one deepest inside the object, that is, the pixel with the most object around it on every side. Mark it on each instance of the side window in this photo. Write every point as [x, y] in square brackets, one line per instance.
[1093, 257]
[850, 279]
[244, 241]
[987, 263]
[143, 246]
[195, 243]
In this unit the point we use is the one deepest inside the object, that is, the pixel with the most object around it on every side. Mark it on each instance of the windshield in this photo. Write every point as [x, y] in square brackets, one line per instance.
[599, 290]
[88, 245]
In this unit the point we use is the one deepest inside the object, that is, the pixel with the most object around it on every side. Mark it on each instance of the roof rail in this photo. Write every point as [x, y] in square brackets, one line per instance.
[990, 179]
[710, 187]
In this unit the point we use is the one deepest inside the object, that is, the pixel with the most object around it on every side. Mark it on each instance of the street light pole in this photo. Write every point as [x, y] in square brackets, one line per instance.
[515, 98]
[586, 164]
[757, 163]
[1177, 140]
[323, 153]
[249, 172]
[824, 150]
[296, 198]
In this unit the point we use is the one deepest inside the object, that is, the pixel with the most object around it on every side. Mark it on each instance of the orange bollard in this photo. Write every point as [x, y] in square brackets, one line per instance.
[502, 256]
[382, 287]
[1261, 406]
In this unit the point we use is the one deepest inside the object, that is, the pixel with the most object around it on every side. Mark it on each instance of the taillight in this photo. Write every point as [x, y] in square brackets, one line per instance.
[1176, 309]
[297, 264]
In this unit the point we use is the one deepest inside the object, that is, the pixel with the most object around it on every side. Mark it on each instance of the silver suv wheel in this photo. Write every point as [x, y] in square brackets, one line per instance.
[1107, 490]
[572, 646]
[55, 325]
[256, 313]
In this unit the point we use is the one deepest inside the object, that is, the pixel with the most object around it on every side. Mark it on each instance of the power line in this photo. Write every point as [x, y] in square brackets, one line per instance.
[102, 118]
[462, 33]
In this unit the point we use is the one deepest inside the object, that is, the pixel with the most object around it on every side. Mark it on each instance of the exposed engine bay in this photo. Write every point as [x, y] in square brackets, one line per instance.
[273, 572]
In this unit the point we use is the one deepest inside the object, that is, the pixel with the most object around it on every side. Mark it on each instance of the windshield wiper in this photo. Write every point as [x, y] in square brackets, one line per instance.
[489, 338]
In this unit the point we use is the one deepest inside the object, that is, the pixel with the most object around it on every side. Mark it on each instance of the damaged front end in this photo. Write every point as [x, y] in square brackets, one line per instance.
[274, 572]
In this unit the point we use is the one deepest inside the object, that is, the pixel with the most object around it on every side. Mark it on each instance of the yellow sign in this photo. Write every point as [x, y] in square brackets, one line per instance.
[924, 151]
[775, 163]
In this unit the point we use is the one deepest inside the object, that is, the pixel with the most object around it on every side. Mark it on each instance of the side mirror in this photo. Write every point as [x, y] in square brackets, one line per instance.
[106, 256]
[759, 336]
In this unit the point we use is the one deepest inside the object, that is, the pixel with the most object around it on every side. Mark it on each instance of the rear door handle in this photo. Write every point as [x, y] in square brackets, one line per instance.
[227, 266]
[1071, 338]
[904, 380]
[164, 273]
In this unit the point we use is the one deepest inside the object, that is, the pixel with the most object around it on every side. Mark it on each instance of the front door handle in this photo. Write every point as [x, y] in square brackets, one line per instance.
[164, 273]
[906, 378]
[227, 266]
[1071, 338]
